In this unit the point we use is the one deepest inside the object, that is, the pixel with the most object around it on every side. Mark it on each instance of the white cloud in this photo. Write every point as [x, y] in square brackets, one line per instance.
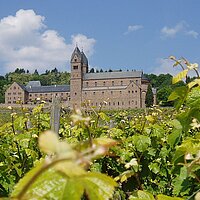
[25, 41]
[83, 42]
[171, 32]
[181, 27]
[192, 33]
[132, 28]
[165, 66]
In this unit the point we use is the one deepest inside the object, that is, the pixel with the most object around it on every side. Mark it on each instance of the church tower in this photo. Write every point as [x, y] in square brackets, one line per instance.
[79, 66]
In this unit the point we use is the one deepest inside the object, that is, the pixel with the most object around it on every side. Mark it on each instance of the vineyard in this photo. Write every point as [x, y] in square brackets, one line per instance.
[97, 155]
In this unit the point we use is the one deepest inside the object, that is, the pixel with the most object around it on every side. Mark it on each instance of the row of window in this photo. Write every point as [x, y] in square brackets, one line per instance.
[113, 83]
[16, 98]
[116, 103]
[36, 95]
[111, 92]
[14, 88]
[48, 99]
[14, 93]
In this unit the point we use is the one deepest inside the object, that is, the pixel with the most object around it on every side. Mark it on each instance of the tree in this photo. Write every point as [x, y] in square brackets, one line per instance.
[149, 96]
[163, 93]
[92, 70]
[54, 70]
[20, 71]
[36, 72]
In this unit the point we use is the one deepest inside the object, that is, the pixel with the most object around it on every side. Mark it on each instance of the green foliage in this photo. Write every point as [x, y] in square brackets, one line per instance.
[62, 175]
[149, 96]
[151, 153]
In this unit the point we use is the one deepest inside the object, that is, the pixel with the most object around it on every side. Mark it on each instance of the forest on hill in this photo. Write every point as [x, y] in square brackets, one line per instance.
[162, 82]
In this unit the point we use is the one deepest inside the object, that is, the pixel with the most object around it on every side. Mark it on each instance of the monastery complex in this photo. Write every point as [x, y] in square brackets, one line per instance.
[120, 89]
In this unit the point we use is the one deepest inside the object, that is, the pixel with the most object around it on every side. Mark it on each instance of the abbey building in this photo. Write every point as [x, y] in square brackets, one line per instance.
[118, 89]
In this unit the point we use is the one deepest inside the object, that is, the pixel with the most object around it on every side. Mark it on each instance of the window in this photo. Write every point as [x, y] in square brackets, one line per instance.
[85, 93]
[93, 93]
[118, 103]
[113, 103]
[113, 83]
[120, 92]
[104, 83]
[135, 91]
[19, 93]
[86, 84]
[14, 88]
[95, 84]
[111, 92]
[102, 92]
[135, 102]
[75, 93]
[132, 91]
[75, 67]
[109, 103]
[121, 82]
[9, 93]
[75, 60]
[129, 92]
[136, 81]
[122, 103]
[14, 93]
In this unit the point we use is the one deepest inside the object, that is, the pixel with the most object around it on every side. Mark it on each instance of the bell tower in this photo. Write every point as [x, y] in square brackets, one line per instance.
[76, 80]
[85, 62]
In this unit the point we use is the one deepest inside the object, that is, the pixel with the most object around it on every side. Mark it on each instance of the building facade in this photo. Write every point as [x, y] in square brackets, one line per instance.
[117, 89]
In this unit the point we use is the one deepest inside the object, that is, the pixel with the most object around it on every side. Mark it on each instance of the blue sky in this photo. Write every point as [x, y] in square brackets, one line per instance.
[129, 34]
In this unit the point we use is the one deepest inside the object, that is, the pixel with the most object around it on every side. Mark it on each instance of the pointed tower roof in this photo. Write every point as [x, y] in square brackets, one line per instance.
[77, 53]
[84, 58]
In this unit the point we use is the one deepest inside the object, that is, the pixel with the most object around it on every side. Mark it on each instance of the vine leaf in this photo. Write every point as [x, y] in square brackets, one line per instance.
[141, 142]
[193, 83]
[50, 144]
[98, 186]
[180, 182]
[142, 195]
[73, 190]
[193, 99]
[179, 95]
[164, 197]
[52, 185]
[179, 76]
[154, 167]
